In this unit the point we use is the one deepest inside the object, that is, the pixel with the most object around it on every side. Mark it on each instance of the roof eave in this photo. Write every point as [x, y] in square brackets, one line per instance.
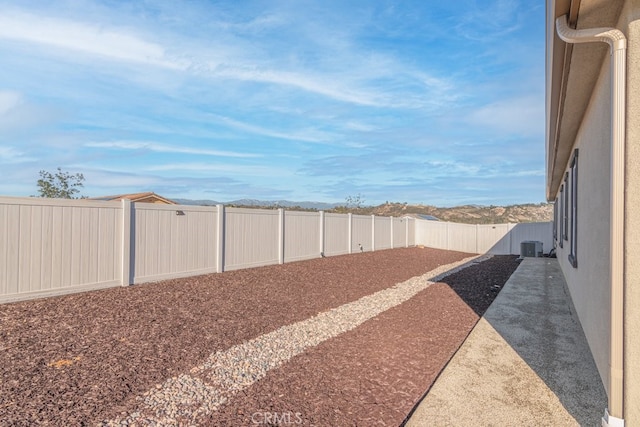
[558, 57]
[571, 76]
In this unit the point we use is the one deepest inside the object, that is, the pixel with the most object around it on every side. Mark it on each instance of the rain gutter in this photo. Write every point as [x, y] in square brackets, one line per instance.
[617, 41]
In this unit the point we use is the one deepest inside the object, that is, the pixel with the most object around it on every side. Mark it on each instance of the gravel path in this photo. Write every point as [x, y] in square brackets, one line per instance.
[80, 359]
[189, 397]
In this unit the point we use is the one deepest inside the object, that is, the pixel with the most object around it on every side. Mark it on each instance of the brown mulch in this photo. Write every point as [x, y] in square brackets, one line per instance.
[377, 373]
[79, 359]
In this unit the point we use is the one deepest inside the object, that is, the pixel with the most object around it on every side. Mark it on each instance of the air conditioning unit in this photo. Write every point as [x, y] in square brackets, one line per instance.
[530, 248]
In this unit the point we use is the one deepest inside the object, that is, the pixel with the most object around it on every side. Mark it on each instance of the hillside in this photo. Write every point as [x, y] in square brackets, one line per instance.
[469, 214]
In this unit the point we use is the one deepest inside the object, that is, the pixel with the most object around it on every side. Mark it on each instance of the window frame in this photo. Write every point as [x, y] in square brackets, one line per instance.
[555, 220]
[573, 253]
[565, 209]
[561, 216]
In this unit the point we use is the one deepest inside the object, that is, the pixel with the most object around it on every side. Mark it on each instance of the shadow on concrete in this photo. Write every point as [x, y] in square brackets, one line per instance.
[526, 362]
[533, 315]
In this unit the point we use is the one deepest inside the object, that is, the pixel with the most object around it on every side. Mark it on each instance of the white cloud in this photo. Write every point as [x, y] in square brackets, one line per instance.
[522, 116]
[359, 126]
[490, 21]
[359, 86]
[255, 25]
[305, 135]
[93, 39]
[11, 155]
[164, 148]
[324, 86]
[345, 75]
[452, 168]
[9, 100]
[536, 172]
[17, 114]
[112, 182]
[227, 169]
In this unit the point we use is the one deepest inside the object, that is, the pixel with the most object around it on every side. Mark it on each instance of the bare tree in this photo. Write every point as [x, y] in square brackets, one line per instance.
[354, 201]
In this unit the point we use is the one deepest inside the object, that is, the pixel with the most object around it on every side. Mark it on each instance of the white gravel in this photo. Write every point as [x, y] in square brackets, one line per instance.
[185, 398]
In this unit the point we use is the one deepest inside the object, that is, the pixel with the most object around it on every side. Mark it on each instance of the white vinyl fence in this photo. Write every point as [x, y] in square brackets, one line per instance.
[497, 239]
[48, 245]
[55, 246]
[166, 245]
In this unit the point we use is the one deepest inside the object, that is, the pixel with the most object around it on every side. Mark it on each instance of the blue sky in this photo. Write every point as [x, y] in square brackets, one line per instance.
[433, 102]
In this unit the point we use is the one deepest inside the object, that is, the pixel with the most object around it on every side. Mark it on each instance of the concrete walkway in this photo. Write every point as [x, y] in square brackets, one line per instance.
[526, 363]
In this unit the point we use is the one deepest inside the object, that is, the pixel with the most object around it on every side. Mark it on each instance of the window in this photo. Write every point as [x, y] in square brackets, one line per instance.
[565, 209]
[573, 255]
[561, 216]
[555, 220]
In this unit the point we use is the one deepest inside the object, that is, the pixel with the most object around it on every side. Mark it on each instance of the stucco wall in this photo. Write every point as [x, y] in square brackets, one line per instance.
[630, 24]
[588, 283]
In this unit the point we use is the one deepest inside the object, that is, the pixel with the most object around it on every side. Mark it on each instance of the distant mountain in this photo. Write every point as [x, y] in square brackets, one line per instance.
[284, 204]
[197, 202]
[261, 203]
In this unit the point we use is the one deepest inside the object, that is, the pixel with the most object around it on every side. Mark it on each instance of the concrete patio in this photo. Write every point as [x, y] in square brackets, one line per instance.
[526, 362]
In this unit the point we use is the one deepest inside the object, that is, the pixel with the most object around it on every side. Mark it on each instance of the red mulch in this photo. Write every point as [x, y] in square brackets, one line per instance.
[83, 358]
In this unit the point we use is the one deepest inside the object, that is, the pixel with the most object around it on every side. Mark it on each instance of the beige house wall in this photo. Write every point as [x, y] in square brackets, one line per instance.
[589, 282]
[630, 25]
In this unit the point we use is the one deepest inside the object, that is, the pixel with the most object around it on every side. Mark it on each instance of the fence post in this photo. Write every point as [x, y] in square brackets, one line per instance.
[322, 233]
[220, 242]
[281, 236]
[373, 233]
[350, 232]
[477, 239]
[125, 278]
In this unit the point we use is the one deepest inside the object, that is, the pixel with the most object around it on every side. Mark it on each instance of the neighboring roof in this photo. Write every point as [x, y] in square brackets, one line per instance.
[422, 216]
[148, 197]
[572, 72]
[428, 217]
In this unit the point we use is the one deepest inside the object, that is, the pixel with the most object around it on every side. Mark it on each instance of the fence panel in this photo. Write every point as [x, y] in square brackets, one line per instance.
[432, 234]
[301, 235]
[361, 233]
[412, 232]
[251, 238]
[462, 237]
[494, 239]
[336, 234]
[499, 239]
[173, 241]
[382, 236]
[53, 246]
[400, 232]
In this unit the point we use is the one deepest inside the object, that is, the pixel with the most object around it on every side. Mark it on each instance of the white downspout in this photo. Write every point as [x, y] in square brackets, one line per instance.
[618, 43]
